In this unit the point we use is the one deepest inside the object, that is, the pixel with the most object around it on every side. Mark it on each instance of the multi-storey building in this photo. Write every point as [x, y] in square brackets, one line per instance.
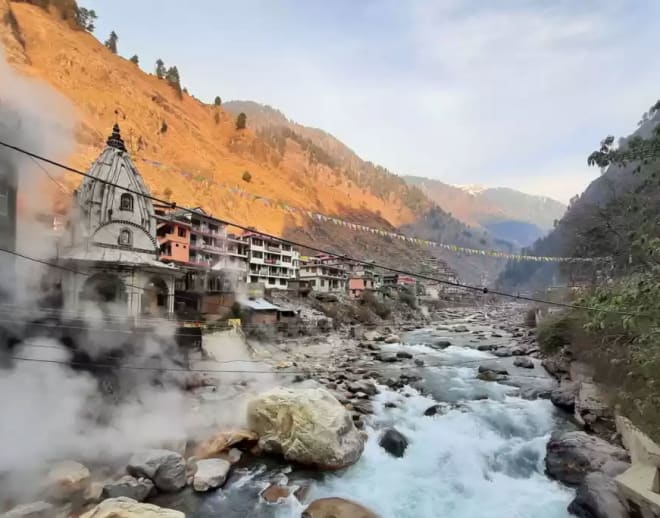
[325, 273]
[271, 262]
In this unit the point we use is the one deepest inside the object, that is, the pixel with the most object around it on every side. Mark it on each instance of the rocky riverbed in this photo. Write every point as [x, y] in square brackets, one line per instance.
[449, 416]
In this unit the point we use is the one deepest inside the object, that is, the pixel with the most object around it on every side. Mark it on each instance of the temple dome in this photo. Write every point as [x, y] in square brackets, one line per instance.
[109, 216]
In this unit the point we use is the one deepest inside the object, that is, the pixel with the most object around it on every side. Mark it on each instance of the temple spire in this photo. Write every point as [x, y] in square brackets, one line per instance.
[115, 139]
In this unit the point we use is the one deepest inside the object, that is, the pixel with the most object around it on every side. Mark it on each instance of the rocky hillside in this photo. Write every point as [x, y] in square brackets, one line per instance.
[615, 216]
[433, 222]
[507, 214]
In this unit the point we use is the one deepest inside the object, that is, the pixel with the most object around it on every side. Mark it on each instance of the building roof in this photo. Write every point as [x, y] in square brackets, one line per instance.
[111, 255]
[258, 305]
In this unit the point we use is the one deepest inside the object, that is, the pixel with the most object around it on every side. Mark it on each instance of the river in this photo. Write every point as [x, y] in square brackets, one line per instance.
[483, 458]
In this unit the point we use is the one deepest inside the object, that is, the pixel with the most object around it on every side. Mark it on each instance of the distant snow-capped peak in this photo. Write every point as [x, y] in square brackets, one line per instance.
[472, 189]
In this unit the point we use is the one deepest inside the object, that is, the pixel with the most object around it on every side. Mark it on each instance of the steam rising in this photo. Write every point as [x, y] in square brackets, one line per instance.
[62, 410]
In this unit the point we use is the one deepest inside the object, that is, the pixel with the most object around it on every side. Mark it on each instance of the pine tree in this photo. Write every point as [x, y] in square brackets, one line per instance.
[241, 121]
[86, 18]
[172, 77]
[135, 60]
[111, 42]
[160, 69]
[217, 100]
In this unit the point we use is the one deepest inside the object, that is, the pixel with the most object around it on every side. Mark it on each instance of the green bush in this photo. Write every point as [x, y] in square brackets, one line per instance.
[556, 332]
[247, 177]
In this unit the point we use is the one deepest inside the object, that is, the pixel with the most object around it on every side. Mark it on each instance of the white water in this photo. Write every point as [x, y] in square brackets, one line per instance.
[483, 459]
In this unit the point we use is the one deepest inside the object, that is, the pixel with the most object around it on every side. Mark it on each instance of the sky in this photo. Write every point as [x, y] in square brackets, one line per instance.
[514, 93]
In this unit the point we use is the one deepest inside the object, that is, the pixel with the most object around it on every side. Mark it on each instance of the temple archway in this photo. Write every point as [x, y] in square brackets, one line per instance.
[103, 288]
[155, 297]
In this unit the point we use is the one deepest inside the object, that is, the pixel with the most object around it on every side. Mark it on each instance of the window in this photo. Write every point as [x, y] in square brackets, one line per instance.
[4, 203]
[257, 255]
[286, 248]
[286, 259]
[126, 202]
[282, 282]
[257, 242]
[125, 237]
[182, 232]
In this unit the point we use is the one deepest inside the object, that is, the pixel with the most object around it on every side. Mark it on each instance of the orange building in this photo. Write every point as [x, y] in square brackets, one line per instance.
[173, 238]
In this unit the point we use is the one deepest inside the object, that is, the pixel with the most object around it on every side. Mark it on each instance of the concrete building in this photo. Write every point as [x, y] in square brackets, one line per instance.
[111, 249]
[271, 262]
[358, 285]
[325, 273]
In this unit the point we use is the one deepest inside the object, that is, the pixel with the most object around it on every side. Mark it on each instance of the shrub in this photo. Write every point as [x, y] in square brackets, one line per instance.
[217, 101]
[247, 177]
[555, 332]
[241, 121]
[407, 296]
[134, 59]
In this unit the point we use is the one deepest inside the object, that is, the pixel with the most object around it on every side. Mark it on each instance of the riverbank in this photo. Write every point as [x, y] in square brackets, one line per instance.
[455, 416]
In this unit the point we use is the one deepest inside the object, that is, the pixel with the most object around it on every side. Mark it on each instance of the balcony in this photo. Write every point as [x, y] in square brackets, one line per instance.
[273, 248]
[272, 261]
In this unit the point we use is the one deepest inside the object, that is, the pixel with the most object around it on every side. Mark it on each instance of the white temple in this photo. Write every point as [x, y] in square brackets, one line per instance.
[111, 245]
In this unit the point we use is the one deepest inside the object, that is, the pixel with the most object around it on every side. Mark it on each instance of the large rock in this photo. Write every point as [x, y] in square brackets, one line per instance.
[31, 510]
[592, 410]
[167, 469]
[210, 474]
[123, 507]
[564, 396]
[308, 426]
[363, 386]
[393, 442]
[597, 497]
[387, 357]
[572, 455]
[223, 441]
[336, 508]
[523, 362]
[372, 336]
[136, 488]
[393, 339]
[68, 481]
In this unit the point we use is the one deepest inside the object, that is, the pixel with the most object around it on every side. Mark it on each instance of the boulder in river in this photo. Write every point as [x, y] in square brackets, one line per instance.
[435, 410]
[123, 507]
[167, 469]
[387, 357]
[572, 455]
[223, 441]
[597, 497]
[363, 386]
[488, 373]
[404, 355]
[564, 396]
[393, 339]
[336, 508]
[592, 410]
[308, 426]
[393, 442]
[136, 488]
[210, 474]
[31, 510]
[523, 362]
[372, 336]
[68, 481]
[419, 362]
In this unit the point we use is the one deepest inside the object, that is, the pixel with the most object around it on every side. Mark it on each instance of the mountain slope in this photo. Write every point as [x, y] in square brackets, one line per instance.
[436, 223]
[507, 214]
[183, 132]
[616, 216]
[193, 152]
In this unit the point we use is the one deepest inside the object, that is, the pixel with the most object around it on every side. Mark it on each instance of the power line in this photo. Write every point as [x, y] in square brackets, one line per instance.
[173, 205]
[303, 245]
